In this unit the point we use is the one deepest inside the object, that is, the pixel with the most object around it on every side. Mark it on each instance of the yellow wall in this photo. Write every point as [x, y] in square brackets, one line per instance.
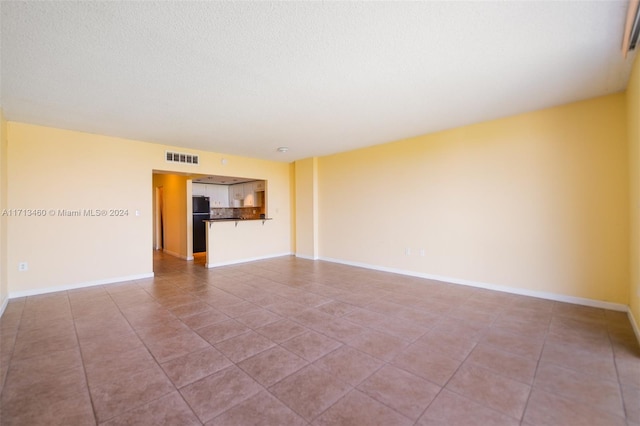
[292, 200]
[633, 125]
[60, 169]
[4, 291]
[536, 202]
[306, 179]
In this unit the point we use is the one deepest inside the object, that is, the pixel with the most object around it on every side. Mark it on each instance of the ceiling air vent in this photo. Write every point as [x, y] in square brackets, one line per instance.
[180, 157]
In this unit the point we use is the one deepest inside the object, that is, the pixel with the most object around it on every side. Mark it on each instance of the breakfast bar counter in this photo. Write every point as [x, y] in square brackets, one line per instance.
[237, 240]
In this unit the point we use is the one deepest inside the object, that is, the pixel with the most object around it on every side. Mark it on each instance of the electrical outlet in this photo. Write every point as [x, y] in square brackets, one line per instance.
[23, 266]
[422, 252]
[407, 251]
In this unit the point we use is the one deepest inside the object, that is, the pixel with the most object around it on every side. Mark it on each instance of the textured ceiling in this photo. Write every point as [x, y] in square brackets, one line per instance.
[319, 77]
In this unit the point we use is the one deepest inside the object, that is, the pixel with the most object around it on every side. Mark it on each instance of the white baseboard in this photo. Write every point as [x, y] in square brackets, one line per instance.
[178, 255]
[304, 256]
[245, 260]
[114, 280]
[5, 302]
[513, 290]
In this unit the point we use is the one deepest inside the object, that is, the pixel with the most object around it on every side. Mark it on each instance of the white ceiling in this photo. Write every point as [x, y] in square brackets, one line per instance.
[319, 77]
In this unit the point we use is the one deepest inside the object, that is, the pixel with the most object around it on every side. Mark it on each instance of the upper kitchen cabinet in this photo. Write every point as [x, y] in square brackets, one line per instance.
[199, 189]
[249, 194]
[259, 193]
[254, 193]
[229, 191]
[246, 194]
[236, 195]
[218, 194]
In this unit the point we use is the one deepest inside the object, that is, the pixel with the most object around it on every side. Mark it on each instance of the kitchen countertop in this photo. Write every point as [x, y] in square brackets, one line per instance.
[234, 219]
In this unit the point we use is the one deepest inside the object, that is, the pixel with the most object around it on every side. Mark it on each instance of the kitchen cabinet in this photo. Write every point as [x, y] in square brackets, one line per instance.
[249, 194]
[198, 189]
[218, 194]
[245, 193]
[237, 191]
[236, 194]
[224, 195]
[259, 193]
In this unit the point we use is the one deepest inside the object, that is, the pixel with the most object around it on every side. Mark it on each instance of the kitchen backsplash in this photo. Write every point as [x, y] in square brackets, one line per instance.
[236, 212]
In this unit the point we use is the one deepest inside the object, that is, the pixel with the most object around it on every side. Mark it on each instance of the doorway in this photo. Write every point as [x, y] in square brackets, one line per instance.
[172, 214]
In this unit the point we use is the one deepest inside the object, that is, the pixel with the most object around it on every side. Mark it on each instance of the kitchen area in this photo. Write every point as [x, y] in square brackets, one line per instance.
[225, 199]
[239, 218]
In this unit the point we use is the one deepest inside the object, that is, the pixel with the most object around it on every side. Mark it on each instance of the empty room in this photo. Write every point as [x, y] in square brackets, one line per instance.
[320, 213]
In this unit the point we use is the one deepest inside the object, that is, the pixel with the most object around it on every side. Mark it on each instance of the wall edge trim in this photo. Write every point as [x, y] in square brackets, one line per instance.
[505, 289]
[634, 324]
[304, 256]
[178, 255]
[106, 281]
[245, 260]
[4, 306]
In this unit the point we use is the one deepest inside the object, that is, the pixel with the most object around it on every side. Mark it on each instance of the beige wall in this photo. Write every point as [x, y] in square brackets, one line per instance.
[60, 169]
[536, 202]
[306, 179]
[230, 243]
[4, 290]
[633, 125]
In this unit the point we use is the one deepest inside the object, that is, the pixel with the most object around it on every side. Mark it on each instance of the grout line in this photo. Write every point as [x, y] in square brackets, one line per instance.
[84, 368]
[152, 356]
[535, 372]
[13, 349]
[615, 363]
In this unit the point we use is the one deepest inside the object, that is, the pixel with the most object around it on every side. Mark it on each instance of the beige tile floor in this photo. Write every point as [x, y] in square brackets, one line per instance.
[294, 342]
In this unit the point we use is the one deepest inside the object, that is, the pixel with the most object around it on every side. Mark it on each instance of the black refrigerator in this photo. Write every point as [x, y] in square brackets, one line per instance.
[201, 213]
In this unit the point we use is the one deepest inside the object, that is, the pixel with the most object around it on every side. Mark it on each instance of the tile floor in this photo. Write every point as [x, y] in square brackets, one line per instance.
[295, 342]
